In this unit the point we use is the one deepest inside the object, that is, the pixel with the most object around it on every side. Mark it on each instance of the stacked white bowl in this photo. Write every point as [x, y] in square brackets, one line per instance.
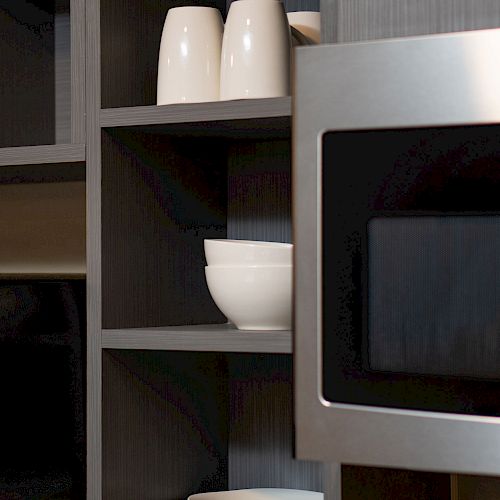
[251, 282]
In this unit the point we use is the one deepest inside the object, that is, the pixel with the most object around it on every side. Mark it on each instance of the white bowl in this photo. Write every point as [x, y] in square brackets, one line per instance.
[259, 494]
[245, 252]
[253, 297]
[307, 23]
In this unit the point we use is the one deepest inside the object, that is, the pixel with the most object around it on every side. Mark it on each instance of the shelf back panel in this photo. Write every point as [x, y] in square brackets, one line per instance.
[35, 83]
[164, 421]
[179, 423]
[162, 196]
[261, 426]
[259, 185]
[130, 44]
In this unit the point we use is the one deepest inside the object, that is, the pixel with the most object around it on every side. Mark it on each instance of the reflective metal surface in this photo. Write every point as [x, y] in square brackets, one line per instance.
[441, 80]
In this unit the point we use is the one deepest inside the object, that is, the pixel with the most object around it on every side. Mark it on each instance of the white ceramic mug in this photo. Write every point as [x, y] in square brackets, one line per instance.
[255, 51]
[189, 61]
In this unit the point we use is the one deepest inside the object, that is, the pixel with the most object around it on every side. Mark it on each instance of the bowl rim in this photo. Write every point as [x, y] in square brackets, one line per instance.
[256, 243]
[252, 266]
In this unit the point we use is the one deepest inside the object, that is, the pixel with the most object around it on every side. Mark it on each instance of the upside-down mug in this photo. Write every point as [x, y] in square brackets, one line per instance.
[256, 46]
[189, 60]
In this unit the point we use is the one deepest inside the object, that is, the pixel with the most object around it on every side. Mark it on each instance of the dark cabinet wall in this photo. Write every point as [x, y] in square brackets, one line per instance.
[354, 20]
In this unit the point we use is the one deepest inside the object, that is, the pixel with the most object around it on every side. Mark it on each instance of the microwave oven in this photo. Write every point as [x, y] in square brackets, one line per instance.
[396, 212]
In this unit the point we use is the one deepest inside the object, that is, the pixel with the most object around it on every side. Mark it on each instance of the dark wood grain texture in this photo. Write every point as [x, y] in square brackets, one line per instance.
[93, 210]
[181, 423]
[42, 52]
[259, 204]
[131, 35]
[77, 70]
[30, 155]
[218, 338]
[261, 426]
[293, 5]
[161, 198]
[164, 424]
[27, 74]
[355, 20]
[202, 112]
[62, 80]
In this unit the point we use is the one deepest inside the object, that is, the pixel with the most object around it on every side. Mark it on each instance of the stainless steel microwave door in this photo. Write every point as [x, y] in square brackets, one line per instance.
[396, 192]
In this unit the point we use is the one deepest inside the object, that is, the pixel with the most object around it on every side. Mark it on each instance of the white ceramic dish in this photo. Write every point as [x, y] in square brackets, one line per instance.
[253, 297]
[259, 494]
[247, 252]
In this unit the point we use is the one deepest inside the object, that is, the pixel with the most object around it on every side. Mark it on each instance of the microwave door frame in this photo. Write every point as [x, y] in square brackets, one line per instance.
[402, 83]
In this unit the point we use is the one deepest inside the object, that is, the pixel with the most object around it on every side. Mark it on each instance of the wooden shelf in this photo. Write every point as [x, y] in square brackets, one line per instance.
[35, 155]
[215, 338]
[255, 110]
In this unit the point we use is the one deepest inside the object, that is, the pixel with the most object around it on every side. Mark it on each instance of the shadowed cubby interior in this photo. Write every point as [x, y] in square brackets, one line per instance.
[42, 369]
[35, 81]
[130, 43]
[166, 189]
[178, 423]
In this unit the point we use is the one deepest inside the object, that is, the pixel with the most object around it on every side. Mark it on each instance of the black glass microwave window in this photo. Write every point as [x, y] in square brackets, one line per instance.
[434, 295]
[411, 268]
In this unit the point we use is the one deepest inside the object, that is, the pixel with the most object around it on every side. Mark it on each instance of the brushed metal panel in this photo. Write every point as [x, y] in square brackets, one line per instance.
[436, 80]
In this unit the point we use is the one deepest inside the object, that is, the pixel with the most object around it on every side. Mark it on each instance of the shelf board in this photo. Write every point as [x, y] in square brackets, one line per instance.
[215, 338]
[36, 155]
[246, 114]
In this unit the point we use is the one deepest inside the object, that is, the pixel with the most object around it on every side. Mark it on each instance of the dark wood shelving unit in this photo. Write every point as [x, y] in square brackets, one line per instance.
[42, 256]
[212, 338]
[99, 184]
[34, 155]
[177, 401]
[172, 176]
[220, 111]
